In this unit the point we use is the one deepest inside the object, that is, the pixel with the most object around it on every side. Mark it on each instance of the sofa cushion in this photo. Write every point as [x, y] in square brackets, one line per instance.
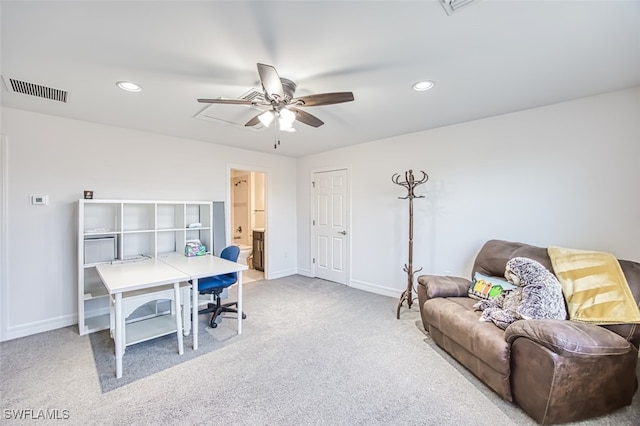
[456, 318]
[569, 338]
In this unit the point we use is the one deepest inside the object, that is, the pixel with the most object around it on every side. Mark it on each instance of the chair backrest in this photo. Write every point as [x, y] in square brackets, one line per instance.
[230, 253]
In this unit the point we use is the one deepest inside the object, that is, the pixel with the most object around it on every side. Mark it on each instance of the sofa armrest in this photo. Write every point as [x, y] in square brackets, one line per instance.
[433, 286]
[569, 338]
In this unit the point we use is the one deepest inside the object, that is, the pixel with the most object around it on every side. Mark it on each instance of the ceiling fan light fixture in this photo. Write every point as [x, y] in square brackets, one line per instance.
[287, 116]
[129, 86]
[266, 118]
[421, 86]
[285, 125]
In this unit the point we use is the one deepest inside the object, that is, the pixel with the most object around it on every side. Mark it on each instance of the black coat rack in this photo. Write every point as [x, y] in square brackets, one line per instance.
[410, 183]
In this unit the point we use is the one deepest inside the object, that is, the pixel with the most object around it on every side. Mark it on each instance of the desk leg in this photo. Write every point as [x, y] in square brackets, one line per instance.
[176, 295]
[194, 312]
[239, 302]
[118, 336]
[186, 310]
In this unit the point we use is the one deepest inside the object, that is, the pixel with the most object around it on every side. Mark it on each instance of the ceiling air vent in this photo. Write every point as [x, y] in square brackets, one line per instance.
[26, 88]
[451, 6]
[253, 95]
[236, 115]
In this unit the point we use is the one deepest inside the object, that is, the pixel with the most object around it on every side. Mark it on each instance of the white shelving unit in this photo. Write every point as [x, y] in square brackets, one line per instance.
[127, 229]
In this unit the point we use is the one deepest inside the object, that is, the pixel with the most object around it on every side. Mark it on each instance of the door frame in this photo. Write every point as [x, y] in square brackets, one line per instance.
[312, 228]
[4, 239]
[267, 202]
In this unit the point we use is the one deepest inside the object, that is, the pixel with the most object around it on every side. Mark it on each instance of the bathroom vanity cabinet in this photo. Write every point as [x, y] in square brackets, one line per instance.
[258, 250]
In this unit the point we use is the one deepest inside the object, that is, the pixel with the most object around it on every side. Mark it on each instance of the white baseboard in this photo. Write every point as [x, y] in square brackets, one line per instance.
[361, 285]
[305, 272]
[282, 273]
[40, 326]
[373, 288]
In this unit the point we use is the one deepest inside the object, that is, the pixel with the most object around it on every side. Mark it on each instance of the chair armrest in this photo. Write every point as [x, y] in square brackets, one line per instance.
[433, 286]
[569, 338]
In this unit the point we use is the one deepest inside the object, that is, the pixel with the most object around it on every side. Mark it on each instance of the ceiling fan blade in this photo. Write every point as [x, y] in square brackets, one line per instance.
[254, 121]
[270, 82]
[323, 99]
[227, 101]
[306, 118]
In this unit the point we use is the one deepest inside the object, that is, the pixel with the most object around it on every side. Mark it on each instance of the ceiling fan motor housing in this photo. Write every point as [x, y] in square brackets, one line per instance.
[288, 87]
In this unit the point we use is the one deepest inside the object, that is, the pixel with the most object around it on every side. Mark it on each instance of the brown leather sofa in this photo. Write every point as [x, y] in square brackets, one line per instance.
[557, 371]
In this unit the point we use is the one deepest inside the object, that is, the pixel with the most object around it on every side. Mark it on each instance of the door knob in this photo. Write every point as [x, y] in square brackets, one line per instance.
[342, 232]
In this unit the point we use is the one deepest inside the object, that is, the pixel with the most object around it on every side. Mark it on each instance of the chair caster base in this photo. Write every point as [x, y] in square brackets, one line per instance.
[213, 322]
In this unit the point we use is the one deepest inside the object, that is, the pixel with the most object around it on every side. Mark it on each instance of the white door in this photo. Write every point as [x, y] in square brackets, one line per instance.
[330, 255]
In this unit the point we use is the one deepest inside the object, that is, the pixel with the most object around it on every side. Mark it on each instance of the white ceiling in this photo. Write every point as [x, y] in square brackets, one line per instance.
[490, 58]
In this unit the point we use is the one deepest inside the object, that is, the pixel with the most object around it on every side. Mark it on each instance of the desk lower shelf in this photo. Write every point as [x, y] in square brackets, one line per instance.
[96, 323]
[151, 328]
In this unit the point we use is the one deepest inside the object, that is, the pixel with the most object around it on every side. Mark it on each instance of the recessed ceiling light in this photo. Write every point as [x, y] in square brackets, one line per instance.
[129, 86]
[421, 86]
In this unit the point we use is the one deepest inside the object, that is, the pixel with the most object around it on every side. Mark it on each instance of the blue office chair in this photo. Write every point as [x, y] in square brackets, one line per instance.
[216, 284]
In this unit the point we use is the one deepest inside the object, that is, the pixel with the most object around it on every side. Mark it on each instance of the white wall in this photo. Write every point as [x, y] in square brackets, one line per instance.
[61, 158]
[566, 174]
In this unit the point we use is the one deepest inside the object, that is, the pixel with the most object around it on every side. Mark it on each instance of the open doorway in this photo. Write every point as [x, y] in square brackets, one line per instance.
[248, 220]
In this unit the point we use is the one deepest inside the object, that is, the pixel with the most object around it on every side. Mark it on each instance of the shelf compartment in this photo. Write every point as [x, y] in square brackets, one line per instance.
[138, 216]
[167, 241]
[170, 216]
[197, 213]
[93, 286]
[138, 244]
[101, 218]
[95, 294]
[96, 323]
[100, 248]
[141, 331]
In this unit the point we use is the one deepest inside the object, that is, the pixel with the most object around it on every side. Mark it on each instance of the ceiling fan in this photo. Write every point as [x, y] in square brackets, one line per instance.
[280, 102]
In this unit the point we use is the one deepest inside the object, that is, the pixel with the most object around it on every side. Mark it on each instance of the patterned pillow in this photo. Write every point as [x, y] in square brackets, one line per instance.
[484, 287]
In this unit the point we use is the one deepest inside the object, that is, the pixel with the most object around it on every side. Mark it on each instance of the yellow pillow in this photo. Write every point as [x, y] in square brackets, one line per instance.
[594, 287]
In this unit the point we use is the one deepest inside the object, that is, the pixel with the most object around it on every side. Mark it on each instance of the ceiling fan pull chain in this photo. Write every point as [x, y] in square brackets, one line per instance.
[276, 139]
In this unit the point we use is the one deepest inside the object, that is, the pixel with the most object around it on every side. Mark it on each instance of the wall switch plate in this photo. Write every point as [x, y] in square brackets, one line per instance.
[39, 199]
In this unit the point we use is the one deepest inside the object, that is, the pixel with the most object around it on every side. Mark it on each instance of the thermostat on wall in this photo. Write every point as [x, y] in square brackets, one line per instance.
[39, 199]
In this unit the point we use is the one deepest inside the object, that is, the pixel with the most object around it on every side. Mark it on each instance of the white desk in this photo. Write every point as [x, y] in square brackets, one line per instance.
[204, 266]
[126, 276]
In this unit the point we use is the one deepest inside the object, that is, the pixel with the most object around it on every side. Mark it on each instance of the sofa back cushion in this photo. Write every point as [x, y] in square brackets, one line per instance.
[631, 272]
[494, 255]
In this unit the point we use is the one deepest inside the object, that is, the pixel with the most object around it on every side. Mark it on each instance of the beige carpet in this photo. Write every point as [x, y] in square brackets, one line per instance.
[312, 353]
